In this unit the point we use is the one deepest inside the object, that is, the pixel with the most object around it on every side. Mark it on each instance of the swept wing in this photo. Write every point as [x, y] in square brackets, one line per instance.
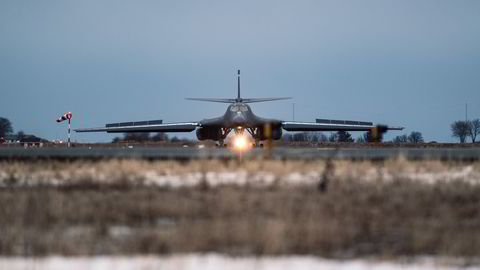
[144, 126]
[334, 125]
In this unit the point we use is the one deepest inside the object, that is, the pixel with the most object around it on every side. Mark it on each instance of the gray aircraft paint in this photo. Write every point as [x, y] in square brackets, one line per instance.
[238, 117]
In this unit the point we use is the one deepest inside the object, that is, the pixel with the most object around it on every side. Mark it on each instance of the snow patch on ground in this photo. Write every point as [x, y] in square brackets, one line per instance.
[218, 262]
[172, 175]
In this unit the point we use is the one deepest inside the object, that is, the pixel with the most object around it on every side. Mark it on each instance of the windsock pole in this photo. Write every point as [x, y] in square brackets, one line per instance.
[69, 127]
[67, 116]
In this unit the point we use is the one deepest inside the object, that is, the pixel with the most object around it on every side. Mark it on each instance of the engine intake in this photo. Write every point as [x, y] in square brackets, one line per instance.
[209, 134]
[269, 131]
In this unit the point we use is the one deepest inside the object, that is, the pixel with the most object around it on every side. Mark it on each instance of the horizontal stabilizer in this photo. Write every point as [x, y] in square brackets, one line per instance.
[219, 100]
[235, 100]
[253, 100]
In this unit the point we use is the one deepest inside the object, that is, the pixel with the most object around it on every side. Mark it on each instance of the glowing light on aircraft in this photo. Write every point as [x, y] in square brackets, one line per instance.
[240, 143]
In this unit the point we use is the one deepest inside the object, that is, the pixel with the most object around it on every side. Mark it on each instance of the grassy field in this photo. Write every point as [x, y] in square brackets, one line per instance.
[336, 209]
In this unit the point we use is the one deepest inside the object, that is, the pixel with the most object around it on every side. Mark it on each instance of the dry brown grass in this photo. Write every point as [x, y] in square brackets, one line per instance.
[111, 207]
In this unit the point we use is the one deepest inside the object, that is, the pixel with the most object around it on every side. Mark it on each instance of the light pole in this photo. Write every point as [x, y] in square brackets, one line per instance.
[293, 111]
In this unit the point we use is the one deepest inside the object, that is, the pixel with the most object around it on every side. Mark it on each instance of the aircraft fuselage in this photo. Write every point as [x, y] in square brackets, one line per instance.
[238, 118]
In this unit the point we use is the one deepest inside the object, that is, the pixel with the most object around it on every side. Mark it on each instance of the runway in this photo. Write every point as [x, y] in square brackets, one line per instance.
[287, 153]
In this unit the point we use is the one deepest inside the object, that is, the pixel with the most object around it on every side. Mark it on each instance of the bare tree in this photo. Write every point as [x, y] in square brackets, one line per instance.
[333, 137]
[287, 137]
[415, 137]
[460, 130]
[360, 139]
[299, 137]
[310, 137]
[474, 129]
[401, 139]
[5, 127]
[367, 136]
[344, 136]
[136, 136]
[160, 136]
[322, 137]
[20, 135]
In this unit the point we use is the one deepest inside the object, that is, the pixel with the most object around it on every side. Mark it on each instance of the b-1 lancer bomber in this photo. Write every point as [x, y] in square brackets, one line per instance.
[238, 118]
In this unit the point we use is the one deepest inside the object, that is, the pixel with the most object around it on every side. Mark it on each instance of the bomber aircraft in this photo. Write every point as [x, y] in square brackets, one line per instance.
[238, 118]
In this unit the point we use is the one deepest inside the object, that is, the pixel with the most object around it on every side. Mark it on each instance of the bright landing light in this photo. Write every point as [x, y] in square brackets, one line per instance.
[240, 143]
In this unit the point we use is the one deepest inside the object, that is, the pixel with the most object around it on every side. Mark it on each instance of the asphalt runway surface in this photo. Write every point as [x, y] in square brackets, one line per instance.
[187, 153]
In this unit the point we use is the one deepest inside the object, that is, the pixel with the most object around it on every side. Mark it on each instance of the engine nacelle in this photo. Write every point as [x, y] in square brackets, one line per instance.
[276, 133]
[209, 134]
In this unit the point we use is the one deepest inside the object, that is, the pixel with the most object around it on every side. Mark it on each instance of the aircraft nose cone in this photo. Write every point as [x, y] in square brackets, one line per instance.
[238, 120]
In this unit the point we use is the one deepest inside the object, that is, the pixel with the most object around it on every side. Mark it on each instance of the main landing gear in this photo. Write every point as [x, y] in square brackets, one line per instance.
[258, 144]
[221, 143]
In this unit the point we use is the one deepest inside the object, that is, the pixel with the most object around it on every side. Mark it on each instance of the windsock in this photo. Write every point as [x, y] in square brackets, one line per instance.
[66, 116]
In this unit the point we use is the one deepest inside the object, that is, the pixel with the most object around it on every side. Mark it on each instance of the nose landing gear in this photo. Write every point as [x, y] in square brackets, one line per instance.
[239, 130]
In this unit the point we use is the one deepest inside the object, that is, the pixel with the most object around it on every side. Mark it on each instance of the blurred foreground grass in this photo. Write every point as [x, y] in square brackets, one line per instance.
[337, 209]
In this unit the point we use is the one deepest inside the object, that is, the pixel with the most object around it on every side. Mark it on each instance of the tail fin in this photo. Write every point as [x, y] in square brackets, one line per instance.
[239, 98]
[238, 80]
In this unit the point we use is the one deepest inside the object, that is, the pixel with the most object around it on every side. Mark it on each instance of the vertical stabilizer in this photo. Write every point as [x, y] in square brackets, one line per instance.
[239, 99]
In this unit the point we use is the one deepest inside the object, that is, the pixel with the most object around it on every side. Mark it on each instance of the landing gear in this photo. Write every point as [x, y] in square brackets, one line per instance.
[254, 133]
[221, 141]
[257, 142]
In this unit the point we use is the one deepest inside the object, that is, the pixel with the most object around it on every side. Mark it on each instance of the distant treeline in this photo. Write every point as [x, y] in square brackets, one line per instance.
[344, 136]
[7, 134]
[146, 137]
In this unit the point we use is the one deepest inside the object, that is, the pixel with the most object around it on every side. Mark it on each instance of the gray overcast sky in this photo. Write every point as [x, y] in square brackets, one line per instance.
[410, 63]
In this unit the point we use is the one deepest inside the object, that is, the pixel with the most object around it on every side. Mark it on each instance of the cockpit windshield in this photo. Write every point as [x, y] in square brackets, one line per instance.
[239, 108]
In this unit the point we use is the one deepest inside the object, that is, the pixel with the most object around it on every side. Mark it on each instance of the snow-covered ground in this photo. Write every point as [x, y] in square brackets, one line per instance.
[220, 262]
[214, 173]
